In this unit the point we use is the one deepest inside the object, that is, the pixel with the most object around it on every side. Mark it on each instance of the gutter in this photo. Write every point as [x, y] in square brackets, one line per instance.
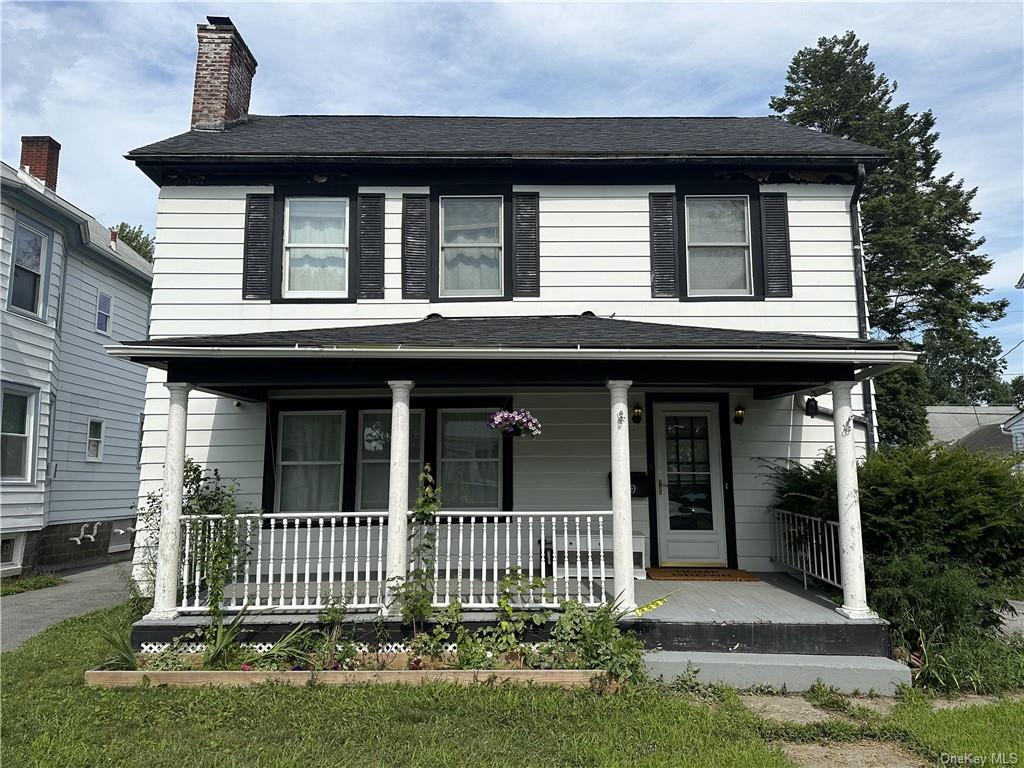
[862, 304]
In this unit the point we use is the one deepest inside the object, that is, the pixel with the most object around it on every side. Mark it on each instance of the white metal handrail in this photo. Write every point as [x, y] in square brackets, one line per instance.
[807, 544]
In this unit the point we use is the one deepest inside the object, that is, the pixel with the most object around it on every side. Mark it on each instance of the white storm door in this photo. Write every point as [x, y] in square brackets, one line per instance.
[688, 485]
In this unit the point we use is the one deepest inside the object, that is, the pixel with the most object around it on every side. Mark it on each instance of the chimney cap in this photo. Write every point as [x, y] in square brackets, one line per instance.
[41, 138]
[220, 21]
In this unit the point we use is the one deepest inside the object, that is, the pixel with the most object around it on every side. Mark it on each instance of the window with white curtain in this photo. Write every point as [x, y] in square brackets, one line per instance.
[471, 246]
[718, 246]
[16, 440]
[311, 456]
[469, 459]
[374, 477]
[316, 258]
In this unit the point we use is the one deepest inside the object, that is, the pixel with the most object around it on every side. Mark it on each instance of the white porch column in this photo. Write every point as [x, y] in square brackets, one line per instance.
[165, 592]
[622, 506]
[398, 492]
[851, 548]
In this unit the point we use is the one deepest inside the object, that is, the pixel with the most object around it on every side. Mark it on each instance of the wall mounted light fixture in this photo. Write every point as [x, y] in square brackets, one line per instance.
[638, 412]
[811, 407]
[739, 414]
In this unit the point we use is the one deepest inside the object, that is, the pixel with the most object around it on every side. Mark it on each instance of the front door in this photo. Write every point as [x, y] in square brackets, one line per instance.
[688, 485]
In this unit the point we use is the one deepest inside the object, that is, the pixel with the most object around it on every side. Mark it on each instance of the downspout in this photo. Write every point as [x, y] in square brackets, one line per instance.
[862, 304]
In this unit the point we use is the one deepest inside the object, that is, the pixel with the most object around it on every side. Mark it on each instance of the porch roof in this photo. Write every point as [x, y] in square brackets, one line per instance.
[493, 336]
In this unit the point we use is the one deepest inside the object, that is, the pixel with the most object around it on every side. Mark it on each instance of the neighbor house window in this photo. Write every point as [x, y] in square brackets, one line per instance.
[16, 433]
[471, 247]
[374, 476]
[316, 258]
[469, 458]
[311, 456]
[28, 268]
[104, 312]
[94, 440]
[718, 246]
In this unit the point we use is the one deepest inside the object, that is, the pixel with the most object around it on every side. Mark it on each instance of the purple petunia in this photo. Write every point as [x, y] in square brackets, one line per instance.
[518, 421]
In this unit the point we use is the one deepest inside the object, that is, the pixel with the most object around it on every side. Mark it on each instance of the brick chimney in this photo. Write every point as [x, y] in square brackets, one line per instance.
[40, 154]
[224, 70]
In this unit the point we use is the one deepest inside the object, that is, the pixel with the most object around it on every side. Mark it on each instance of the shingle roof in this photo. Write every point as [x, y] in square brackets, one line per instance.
[508, 137]
[551, 332]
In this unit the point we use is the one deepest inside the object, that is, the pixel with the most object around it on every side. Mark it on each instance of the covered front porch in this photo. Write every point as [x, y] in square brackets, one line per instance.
[640, 467]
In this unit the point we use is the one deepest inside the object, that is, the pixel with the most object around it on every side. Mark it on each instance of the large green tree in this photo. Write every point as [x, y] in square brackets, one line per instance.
[137, 238]
[922, 257]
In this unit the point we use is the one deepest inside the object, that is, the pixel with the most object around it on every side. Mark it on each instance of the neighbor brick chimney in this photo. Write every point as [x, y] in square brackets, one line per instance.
[40, 154]
[224, 70]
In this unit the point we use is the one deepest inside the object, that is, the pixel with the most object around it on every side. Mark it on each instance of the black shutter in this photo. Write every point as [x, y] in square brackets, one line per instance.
[371, 246]
[778, 275]
[664, 259]
[525, 244]
[415, 246]
[259, 226]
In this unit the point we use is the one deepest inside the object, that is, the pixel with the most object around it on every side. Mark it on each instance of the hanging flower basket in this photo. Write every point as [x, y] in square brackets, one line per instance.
[517, 423]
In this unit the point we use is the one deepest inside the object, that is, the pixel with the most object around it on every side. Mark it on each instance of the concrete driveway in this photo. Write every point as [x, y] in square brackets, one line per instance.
[27, 614]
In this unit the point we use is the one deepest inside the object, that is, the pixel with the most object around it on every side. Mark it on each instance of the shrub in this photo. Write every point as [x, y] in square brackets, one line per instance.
[950, 503]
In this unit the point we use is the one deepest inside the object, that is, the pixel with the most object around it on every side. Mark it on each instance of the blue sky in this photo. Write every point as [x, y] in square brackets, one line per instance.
[103, 78]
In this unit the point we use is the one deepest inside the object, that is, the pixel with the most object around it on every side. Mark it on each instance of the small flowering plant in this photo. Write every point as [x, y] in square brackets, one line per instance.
[517, 422]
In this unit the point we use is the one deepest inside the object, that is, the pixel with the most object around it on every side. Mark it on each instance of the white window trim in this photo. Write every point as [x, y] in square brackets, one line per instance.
[102, 439]
[288, 293]
[31, 419]
[12, 567]
[748, 245]
[278, 463]
[360, 460]
[109, 315]
[500, 245]
[44, 265]
[500, 460]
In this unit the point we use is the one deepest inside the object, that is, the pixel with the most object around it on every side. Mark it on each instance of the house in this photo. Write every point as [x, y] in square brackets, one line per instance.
[340, 300]
[1014, 427]
[71, 413]
[975, 427]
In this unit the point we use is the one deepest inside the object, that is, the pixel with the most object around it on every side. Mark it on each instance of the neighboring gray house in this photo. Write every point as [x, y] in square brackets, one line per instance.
[71, 413]
[976, 427]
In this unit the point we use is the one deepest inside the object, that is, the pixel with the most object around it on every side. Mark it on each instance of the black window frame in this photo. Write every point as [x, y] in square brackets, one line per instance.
[351, 406]
[327, 189]
[504, 191]
[750, 190]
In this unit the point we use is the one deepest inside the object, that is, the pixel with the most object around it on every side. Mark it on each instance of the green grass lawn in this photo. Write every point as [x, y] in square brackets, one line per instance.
[18, 584]
[51, 719]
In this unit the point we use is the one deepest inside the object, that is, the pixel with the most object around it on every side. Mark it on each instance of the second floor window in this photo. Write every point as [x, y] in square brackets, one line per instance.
[718, 246]
[316, 258]
[471, 247]
[104, 311]
[28, 268]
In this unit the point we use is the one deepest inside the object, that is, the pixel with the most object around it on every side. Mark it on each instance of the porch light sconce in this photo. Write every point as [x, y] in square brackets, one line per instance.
[638, 412]
[739, 414]
[811, 407]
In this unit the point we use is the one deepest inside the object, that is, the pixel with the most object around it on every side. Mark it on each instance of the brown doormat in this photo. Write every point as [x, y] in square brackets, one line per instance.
[700, 574]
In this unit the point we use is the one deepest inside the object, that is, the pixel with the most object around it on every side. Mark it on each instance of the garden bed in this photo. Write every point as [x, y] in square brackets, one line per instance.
[561, 678]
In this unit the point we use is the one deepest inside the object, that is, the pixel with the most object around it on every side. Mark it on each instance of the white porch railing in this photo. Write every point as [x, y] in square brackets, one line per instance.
[300, 563]
[568, 551]
[287, 562]
[807, 544]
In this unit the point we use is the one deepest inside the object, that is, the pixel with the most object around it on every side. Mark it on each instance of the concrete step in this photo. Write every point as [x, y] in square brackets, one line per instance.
[796, 672]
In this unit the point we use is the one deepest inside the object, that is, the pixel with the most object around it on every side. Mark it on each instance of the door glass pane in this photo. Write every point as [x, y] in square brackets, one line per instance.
[311, 437]
[689, 503]
[310, 488]
[688, 473]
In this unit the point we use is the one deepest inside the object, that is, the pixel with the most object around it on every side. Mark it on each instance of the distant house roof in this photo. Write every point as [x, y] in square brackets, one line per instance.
[1020, 283]
[90, 233]
[534, 332]
[989, 437]
[952, 423]
[509, 138]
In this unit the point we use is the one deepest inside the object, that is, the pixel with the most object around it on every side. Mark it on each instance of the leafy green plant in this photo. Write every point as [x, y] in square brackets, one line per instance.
[223, 649]
[414, 592]
[592, 639]
[974, 663]
[511, 623]
[118, 638]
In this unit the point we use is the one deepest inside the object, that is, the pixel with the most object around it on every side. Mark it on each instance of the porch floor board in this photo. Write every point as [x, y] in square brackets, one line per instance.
[776, 599]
